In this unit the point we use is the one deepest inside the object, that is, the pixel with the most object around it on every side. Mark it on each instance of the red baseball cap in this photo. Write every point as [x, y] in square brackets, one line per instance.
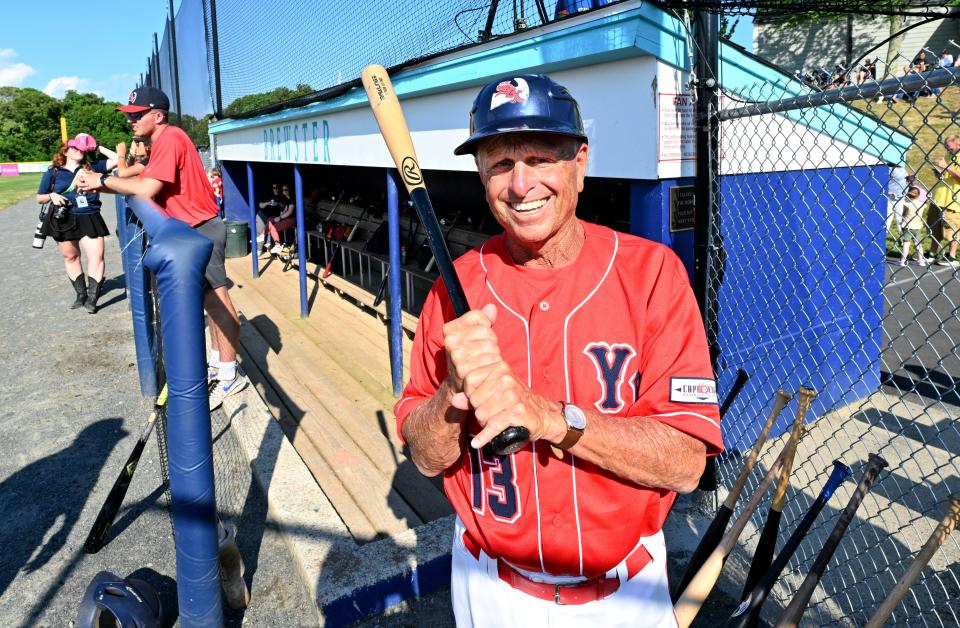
[145, 99]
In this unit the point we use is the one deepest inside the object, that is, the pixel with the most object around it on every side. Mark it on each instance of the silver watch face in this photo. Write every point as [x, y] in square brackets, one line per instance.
[575, 417]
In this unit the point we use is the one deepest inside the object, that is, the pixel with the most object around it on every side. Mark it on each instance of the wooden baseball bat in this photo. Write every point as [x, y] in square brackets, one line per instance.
[702, 583]
[711, 538]
[708, 479]
[791, 616]
[748, 612]
[763, 557]
[393, 127]
[907, 580]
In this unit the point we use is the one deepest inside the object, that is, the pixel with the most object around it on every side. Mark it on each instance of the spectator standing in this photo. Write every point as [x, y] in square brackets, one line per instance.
[914, 226]
[132, 163]
[896, 188]
[216, 181]
[946, 204]
[74, 220]
[176, 180]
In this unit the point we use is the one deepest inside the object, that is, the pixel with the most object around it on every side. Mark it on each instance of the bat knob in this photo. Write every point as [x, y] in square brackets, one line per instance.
[510, 440]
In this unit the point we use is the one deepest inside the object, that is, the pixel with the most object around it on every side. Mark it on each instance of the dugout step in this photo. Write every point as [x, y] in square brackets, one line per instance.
[325, 380]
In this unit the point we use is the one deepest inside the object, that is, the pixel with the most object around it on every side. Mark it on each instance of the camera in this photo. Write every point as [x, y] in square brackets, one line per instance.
[40, 234]
[62, 212]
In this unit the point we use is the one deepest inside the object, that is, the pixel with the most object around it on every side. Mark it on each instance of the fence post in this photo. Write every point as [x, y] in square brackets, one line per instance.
[156, 62]
[215, 45]
[175, 66]
[395, 316]
[252, 209]
[301, 240]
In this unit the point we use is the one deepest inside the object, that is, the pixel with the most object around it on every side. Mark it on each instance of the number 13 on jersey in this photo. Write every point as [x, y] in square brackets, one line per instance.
[494, 484]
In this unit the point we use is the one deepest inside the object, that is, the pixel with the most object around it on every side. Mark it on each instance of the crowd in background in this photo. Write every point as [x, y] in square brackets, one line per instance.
[865, 71]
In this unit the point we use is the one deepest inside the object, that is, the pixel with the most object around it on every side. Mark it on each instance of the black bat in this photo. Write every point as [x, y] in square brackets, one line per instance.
[767, 544]
[749, 610]
[108, 512]
[791, 616]
[393, 127]
[709, 480]
[711, 538]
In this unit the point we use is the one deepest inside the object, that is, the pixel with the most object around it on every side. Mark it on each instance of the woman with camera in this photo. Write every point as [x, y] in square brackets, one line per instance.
[73, 219]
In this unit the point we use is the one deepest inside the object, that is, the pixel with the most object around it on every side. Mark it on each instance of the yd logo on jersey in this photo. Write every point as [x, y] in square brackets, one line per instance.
[611, 361]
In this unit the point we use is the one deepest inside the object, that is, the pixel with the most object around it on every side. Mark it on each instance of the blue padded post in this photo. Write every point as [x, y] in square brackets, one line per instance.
[138, 295]
[178, 256]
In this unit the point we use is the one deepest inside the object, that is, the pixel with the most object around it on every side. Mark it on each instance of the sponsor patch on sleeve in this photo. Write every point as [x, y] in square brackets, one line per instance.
[693, 390]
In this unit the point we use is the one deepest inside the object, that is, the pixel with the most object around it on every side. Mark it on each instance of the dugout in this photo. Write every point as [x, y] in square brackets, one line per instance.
[627, 65]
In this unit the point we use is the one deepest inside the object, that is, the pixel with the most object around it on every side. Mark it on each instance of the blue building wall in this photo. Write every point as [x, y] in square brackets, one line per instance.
[801, 298]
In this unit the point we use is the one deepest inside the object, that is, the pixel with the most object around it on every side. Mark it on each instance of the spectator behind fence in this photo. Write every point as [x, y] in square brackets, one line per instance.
[920, 62]
[946, 59]
[914, 225]
[945, 205]
[282, 221]
[896, 188]
[74, 220]
[176, 180]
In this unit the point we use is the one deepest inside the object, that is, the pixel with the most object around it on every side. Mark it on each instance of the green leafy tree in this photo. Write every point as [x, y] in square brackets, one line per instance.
[196, 129]
[252, 102]
[29, 125]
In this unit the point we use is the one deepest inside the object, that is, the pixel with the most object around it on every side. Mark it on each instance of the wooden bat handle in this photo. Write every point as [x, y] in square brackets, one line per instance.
[779, 403]
[803, 406]
[393, 126]
[907, 580]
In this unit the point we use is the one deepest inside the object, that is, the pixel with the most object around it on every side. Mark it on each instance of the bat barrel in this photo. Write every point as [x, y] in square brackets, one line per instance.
[907, 580]
[791, 616]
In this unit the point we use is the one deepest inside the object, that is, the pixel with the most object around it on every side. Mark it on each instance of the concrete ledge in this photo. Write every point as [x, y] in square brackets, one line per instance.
[346, 581]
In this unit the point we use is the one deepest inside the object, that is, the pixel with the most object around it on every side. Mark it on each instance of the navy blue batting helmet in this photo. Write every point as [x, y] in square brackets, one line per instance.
[120, 602]
[522, 103]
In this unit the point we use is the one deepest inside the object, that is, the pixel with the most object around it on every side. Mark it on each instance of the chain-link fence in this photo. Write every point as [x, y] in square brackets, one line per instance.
[834, 265]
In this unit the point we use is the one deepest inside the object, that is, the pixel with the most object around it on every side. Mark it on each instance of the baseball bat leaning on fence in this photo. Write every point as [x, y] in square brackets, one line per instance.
[791, 616]
[708, 479]
[907, 580]
[335, 205]
[711, 538]
[393, 127]
[453, 224]
[97, 537]
[696, 592]
[340, 240]
[411, 241]
[767, 544]
[748, 612]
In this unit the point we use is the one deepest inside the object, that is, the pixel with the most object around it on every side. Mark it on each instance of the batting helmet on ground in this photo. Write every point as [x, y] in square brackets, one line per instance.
[519, 104]
[122, 602]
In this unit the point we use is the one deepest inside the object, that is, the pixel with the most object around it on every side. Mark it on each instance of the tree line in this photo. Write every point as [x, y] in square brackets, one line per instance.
[30, 123]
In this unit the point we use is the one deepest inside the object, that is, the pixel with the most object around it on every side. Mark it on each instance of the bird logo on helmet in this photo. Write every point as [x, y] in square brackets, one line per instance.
[522, 104]
[513, 91]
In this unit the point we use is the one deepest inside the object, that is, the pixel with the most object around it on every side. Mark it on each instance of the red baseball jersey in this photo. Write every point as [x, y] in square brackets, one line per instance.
[619, 332]
[186, 193]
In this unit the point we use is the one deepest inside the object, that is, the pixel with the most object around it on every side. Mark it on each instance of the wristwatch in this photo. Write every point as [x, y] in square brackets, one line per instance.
[103, 179]
[576, 424]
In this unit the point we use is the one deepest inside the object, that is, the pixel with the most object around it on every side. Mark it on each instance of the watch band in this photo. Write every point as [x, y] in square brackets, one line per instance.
[573, 434]
[103, 179]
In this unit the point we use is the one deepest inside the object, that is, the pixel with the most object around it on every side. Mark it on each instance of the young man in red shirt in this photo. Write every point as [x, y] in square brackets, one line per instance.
[176, 180]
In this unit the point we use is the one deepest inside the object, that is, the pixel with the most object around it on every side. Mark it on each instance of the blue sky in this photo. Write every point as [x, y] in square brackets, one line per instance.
[103, 46]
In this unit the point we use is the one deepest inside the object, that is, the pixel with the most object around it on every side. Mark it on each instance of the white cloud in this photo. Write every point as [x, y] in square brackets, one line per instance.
[58, 87]
[12, 74]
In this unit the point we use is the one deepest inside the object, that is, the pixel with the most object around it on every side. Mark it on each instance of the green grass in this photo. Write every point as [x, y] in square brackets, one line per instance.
[13, 189]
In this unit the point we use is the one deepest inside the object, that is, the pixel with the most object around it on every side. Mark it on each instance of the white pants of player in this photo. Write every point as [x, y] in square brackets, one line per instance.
[481, 599]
